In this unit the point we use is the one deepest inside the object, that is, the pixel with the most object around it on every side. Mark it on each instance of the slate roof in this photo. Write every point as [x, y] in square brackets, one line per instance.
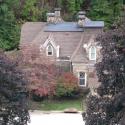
[30, 30]
[63, 27]
[67, 35]
[94, 24]
[72, 26]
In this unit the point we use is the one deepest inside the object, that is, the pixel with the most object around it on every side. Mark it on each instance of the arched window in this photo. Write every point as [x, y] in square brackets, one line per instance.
[49, 50]
[92, 53]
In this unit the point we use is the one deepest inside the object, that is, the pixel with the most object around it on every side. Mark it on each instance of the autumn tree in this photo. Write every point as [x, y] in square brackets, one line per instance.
[40, 71]
[106, 106]
[13, 93]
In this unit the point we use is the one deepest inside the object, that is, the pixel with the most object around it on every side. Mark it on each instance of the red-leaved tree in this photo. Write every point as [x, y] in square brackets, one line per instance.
[40, 71]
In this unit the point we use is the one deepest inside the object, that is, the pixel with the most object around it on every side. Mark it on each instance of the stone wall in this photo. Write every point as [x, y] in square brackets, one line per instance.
[91, 77]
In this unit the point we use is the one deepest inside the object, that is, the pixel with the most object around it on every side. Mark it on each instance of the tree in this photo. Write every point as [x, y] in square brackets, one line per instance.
[106, 106]
[30, 11]
[15, 12]
[106, 10]
[13, 93]
[9, 31]
[40, 71]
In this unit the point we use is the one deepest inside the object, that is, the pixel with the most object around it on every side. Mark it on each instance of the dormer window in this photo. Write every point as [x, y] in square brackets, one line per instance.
[49, 50]
[92, 53]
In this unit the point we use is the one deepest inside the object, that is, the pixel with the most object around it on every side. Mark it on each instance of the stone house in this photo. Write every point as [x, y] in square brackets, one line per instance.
[70, 43]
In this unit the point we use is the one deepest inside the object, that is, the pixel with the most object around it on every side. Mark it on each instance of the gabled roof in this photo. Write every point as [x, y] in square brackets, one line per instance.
[66, 35]
[50, 40]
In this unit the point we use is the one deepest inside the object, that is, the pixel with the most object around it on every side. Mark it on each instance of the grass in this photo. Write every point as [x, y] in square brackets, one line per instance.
[55, 105]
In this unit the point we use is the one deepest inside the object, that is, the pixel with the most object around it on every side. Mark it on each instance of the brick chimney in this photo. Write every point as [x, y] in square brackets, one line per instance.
[50, 18]
[53, 18]
[58, 18]
[81, 18]
[57, 12]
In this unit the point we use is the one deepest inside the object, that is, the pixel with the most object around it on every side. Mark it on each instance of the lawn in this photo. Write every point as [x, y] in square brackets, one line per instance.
[55, 105]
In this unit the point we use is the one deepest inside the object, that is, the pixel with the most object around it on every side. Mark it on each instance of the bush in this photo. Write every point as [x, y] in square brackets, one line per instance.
[36, 98]
[43, 92]
[66, 85]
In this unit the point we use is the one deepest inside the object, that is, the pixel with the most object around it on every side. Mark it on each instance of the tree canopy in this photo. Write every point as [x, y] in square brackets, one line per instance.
[15, 12]
[107, 10]
[13, 94]
[106, 106]
[9, 30]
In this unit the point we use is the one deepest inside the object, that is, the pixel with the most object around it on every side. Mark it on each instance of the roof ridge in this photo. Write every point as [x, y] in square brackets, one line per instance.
[77, 47]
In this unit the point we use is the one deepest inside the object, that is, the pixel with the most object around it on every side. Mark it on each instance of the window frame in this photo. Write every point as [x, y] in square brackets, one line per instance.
[47, 50]
[90, 53]
[85, 78]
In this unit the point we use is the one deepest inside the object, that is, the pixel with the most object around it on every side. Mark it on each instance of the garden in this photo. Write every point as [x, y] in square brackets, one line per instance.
[62, 95]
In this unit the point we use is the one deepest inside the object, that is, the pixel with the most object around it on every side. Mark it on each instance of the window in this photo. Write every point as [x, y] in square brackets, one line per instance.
[49, 50]
[82, 78]
[92, 53]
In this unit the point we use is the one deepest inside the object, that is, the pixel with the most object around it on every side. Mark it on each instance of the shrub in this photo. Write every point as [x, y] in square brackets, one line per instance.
[66, 85]
[43, 92]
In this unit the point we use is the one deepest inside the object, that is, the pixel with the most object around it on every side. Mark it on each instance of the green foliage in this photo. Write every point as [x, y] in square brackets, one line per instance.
[108, 11]
[30, 11]
[43, 16]
[15, 12]
[66, 85]
[62, 91]
[9, 31]
[78, 4]
[71, 6]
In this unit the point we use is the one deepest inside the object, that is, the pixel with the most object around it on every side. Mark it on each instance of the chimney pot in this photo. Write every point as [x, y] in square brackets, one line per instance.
[82, 13]
[58, 18]
[81, 18]
[50, 17]
[57, 12]
[54, 17]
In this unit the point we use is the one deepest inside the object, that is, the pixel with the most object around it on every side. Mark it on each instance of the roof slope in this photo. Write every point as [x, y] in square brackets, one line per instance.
[30, 30]
[80, 55]
[37, 33]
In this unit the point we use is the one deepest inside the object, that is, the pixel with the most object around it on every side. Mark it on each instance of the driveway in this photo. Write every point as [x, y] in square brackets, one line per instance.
[40, 118]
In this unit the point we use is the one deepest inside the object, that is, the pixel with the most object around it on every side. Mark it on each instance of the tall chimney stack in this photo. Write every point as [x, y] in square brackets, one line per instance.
[81, 18]
[57, 12]
[50, 18]
[58, 18]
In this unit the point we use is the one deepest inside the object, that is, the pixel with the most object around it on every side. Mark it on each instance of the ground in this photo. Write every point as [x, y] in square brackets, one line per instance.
[58, 105]
[55, 118]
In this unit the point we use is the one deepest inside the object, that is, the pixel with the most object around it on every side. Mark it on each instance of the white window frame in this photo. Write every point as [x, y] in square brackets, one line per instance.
[84, 78]
[48, 51]
[90, 52]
